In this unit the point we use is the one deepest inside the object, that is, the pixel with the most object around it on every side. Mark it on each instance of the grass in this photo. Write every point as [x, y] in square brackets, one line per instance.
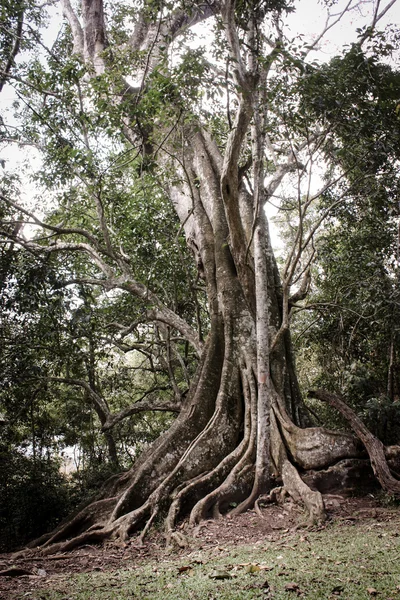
[346, 561]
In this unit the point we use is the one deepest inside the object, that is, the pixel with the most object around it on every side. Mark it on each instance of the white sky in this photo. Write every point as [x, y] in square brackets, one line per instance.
[310, 18]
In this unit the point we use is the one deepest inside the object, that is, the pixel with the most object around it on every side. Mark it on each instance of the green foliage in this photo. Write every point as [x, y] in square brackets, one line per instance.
[354, 327]
[14, 14]
[358, 95]
[85, 484]
[245, 9]
[34, 496]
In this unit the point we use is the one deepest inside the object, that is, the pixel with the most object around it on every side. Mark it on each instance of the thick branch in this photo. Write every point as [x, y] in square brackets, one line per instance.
[15, 49]
[94, 33]
[57, 229]
[102, 408]
[142, 405]
[76, 28]
[160, 312]
[228, 15]
[174, 25]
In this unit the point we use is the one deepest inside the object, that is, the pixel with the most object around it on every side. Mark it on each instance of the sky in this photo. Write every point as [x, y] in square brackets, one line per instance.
[310, 18]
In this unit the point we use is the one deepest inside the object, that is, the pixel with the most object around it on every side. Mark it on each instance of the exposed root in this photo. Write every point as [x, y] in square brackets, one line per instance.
[233, 486]
[257, 505]
[276, 496]
[212, 468]
[314, 447]
[148, 525]
[178, 538]
[184, 490]
[292, 482]
[90, 519]
[89, 537]
[229, 471]
[252, 450]
[216, 513]
[374, 447]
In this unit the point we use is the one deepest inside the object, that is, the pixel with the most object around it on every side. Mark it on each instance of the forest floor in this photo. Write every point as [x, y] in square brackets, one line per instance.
[354, 555]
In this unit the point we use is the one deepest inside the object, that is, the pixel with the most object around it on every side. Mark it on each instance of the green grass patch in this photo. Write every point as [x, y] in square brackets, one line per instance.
[347, 561]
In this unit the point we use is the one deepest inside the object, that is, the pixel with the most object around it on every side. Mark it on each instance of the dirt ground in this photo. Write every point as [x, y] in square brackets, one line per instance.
[25, 574]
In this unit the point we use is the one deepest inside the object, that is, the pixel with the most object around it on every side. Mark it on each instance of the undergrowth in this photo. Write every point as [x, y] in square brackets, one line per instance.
[343, 560]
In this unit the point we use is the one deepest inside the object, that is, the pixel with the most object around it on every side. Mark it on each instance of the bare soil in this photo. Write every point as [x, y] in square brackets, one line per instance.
[25, 574]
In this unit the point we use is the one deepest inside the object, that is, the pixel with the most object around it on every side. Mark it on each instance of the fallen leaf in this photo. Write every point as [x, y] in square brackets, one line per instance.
[292, 587]
[184, 569]
[372, 591]
[252, 569]
[220, 574]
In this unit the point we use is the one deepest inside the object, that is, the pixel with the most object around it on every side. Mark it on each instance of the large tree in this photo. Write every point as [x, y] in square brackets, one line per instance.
[127, 112]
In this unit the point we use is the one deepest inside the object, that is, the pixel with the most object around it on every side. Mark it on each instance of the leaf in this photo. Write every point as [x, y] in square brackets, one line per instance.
[184, 569]
[252, 569]
[220, 574]
[372, 591]
[292, 587]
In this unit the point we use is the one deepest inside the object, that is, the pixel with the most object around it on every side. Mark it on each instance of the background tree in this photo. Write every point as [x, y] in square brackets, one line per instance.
[352, 326]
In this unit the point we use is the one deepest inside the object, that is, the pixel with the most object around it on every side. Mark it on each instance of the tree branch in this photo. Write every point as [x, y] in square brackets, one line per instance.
[139, 406]
[98, 401]
[76, 28]
[15, 49]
